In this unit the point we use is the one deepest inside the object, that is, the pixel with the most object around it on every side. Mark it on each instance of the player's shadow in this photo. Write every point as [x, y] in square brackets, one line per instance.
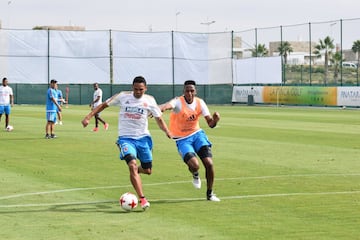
[113, 207]
[21, 139]
[170, 201]
[81, 208]
[108, 207]
[73, 208]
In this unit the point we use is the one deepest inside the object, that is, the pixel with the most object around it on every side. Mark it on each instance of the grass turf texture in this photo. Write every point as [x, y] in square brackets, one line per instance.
[281, 173]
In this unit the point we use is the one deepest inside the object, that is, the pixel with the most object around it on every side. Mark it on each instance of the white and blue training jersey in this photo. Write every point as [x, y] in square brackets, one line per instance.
[134, 112]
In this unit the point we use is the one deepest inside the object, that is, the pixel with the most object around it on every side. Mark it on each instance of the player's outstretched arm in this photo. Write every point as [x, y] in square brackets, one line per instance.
[165, 106]
[162, 125]
[96, 110]
[12, 100]
[213, 120]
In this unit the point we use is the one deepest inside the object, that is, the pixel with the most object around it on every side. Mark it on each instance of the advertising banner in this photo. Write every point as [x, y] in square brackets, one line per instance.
[323, 96]
[241, 93]
[348, 96]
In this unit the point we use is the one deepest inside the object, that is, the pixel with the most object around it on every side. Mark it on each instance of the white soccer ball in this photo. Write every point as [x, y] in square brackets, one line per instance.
[9, 128]
[128, 201]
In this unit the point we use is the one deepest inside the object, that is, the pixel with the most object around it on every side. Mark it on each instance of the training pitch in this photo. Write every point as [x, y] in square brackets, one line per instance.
[281, 173]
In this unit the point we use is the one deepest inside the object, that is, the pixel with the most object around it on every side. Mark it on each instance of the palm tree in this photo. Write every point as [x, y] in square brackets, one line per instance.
[284, 50]
[325, 47]
[336, 61]
[356, 49]
[259, 51]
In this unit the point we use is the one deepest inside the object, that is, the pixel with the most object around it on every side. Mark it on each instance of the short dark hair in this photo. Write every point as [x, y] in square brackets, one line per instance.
[189, 82]
[139, 79]
[53, 81]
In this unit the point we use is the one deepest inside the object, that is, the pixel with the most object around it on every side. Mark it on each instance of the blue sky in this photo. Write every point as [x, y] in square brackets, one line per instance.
[167, 15]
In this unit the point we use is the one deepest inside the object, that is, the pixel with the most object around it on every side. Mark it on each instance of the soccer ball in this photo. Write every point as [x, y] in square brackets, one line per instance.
[128, 201]
[9, 128]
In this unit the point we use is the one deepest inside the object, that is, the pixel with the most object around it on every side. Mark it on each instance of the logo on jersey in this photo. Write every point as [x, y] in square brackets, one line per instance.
[134, 110]
[134, 113]
[190, 118]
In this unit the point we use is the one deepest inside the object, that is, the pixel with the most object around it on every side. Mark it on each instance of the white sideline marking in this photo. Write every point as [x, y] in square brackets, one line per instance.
[59, 191]
[181, 199]
[175, 182]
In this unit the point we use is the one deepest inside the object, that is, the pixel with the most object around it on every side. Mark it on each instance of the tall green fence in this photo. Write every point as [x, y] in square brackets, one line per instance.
[81, 94]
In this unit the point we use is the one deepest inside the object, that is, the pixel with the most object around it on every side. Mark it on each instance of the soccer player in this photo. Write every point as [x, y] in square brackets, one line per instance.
[6, 100]
[134, 139]
[51, 107]
[190, 139]
[97, 100]
[60, 100]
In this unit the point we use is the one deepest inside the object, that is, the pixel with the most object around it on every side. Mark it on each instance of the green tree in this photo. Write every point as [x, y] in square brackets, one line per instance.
[259, 51]
[336, 61]
[325, 48]
[356, 49]
[284, 50]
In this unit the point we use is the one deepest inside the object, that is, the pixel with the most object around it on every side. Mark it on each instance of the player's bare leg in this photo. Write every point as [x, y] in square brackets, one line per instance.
[193, 165]
[52, 130]
[210, 173]
[135, 180]
[144, 171]
[48, 129]
[7, 119]
[97, 120]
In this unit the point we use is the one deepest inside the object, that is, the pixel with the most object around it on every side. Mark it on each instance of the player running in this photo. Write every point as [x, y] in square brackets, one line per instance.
[134, 139]
[190, 138]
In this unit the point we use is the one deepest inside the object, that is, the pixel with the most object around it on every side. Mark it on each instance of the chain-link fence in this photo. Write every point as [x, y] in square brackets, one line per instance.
[317, 53]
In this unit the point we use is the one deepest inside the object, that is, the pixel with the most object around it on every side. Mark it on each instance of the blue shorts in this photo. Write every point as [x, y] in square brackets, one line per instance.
[5, 109]
[51, 116]
[193, 143]
[140, 148]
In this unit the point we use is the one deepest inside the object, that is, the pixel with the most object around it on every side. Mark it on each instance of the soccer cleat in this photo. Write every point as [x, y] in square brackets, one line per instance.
[144, 203]
[212, 197]
[47, 136]
[95, 129]
[53, 136]
[196, 182]
[106, 126]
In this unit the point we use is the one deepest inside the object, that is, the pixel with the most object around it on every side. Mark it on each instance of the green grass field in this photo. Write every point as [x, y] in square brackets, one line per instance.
[281, 173]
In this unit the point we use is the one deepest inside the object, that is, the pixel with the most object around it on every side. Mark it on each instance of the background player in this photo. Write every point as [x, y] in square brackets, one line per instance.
[6, 100]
